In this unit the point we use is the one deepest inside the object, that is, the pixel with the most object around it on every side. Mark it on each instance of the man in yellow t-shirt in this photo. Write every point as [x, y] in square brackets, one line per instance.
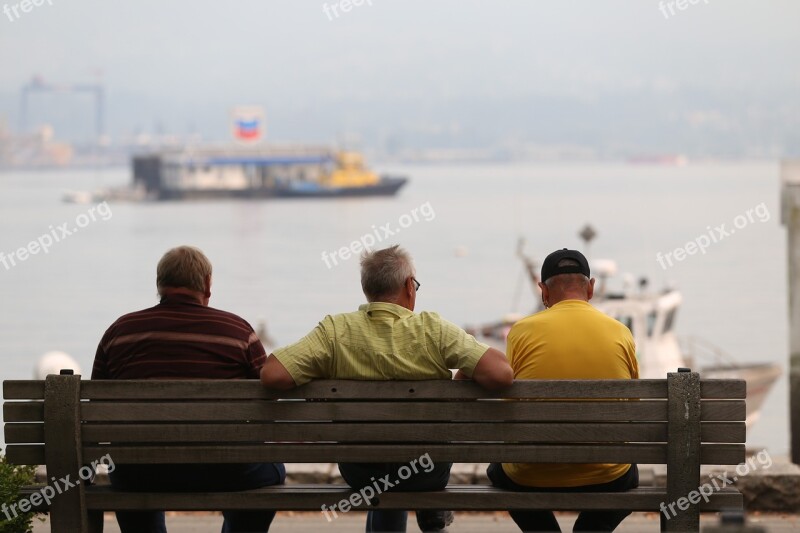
[386, 340]
[570, 339]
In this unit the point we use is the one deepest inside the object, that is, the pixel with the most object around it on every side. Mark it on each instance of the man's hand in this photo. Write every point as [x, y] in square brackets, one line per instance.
[275, 376]
[492, 371]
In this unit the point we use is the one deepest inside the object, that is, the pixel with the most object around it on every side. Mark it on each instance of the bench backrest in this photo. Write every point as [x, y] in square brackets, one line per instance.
[680, 421]
[331, 421]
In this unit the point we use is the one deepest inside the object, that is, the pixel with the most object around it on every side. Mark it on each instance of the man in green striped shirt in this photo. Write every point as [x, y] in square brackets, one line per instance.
[386, 340]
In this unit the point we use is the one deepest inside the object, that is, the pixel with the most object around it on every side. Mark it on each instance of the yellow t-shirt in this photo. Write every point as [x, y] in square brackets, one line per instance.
[381, 341]
[571, 340]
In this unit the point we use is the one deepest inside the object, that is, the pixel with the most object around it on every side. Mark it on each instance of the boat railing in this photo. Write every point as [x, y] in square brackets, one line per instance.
[696, 349]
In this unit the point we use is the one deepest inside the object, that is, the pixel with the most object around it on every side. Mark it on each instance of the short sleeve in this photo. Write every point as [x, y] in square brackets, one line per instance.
[309, 358]
[459, 349]
[256, 356]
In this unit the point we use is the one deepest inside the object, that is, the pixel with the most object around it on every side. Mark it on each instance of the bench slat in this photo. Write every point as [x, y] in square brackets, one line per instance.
[333, 389]
[386, 390]
[23, 411]
[714, 454]
[23, 389]
[397, 432]
[711, 410]
[362, 411]
[218, 411]
[455, 497]
[32, 432]
[711, 432]
[711, 454]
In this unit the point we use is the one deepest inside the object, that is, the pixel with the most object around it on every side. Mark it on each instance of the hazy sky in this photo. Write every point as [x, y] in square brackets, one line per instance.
[186, 63]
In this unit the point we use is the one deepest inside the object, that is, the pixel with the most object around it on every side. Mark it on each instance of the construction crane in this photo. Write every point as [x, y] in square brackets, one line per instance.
[38, 85]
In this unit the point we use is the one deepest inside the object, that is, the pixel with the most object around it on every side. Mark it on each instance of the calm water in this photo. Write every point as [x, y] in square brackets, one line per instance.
[268, 255]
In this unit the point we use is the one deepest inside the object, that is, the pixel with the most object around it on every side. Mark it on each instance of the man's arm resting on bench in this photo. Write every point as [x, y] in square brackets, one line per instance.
[492, 371]
[275, 376]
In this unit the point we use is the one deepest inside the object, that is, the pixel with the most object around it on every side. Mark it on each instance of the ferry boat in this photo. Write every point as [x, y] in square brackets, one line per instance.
[651, 317]
[248, 172]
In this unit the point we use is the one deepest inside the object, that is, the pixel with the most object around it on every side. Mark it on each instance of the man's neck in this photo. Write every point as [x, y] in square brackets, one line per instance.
[181, 291]
[579, 297]
[394, 302]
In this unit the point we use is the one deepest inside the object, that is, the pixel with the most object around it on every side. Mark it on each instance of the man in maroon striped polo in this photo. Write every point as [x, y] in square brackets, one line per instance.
[183, 338]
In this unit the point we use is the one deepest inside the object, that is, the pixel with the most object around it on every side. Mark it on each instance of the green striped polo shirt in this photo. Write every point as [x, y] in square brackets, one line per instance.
[381, 341]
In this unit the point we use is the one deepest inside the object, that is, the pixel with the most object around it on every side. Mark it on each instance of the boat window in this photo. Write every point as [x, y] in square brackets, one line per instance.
[651, 323]
[669, 320]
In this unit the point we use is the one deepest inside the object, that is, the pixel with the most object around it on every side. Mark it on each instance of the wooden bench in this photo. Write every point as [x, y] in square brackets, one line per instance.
[681, 421]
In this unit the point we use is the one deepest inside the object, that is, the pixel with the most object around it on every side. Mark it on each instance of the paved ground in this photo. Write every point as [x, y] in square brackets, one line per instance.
[288, 522]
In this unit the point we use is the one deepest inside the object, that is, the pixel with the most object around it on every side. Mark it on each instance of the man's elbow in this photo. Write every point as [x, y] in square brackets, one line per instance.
[276, 381]
[501, 378]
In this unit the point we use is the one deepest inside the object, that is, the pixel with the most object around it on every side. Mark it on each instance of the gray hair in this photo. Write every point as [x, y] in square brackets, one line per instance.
[184, 267]
[383, 272]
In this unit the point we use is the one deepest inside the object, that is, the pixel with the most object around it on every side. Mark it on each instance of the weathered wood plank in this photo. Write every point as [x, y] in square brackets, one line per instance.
[683, 449]
[381, 390]
[541, 411]
[715, 454]
[23, 389]
[32, 454]
[723, 410]
[24, 433]
[395, 432]
[25, 454]
[722, 454]
[63, 452]
[23, 411]
[495, 411]
[333, 389]
[321, 453]
[455, 497]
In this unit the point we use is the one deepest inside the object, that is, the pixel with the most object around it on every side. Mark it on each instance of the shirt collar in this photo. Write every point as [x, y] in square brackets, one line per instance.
[177, 298]
[376, 308]
[571, 303]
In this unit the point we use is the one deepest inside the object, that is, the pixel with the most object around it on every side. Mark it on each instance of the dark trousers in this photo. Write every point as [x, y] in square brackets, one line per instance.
[360, 475]
[587, 520]
[196, 478]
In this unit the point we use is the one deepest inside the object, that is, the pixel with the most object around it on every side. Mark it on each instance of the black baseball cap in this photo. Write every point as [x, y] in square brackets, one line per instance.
[550, 266]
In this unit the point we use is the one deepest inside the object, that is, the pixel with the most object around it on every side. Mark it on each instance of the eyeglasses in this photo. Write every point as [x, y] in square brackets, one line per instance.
[417, 284]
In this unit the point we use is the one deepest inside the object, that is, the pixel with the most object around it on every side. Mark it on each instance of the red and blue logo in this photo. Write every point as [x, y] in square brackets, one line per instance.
[247, 128]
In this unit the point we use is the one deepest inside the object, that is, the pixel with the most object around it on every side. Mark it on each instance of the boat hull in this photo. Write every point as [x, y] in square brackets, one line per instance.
[387, 186]
[759, 377]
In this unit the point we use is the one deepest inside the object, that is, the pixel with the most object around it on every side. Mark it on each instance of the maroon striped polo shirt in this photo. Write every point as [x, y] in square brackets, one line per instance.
[179, 339]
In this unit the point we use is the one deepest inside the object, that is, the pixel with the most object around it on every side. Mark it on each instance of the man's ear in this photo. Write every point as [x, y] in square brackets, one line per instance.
[545, 293]
[207, 286]
[590, 290]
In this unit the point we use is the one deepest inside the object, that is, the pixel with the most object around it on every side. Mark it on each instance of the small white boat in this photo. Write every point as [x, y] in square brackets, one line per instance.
[651, 318]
